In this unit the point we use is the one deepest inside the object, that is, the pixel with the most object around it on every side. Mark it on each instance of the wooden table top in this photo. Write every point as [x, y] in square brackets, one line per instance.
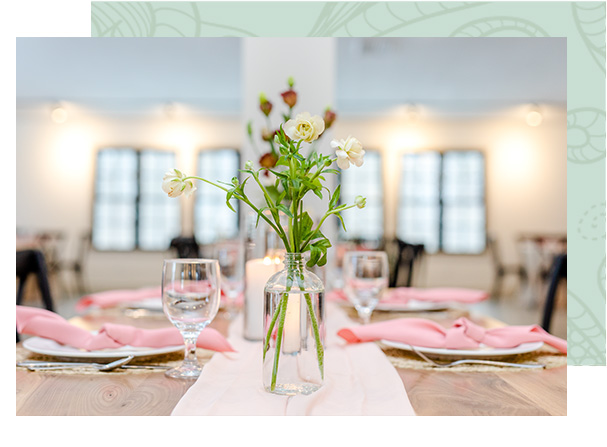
[431, 392]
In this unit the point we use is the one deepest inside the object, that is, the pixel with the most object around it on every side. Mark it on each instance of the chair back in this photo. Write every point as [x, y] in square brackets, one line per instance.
[32, 262]
[186, 247]
[558, 272]
[408, 258]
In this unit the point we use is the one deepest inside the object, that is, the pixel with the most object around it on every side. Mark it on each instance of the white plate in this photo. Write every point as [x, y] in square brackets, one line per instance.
[412, 306]
[45, 346]
[147, 304]
[481, 352]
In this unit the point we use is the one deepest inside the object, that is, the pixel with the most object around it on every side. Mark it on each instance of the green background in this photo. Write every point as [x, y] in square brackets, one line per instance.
[582, 23]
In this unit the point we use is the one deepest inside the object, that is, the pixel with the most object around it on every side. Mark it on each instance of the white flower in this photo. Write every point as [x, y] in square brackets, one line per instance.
[304, 127]
[348, 151]
[360, 201]
[174, 185]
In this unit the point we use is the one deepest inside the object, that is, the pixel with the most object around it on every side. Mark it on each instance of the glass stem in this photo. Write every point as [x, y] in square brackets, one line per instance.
[365, 315]
[190, 339]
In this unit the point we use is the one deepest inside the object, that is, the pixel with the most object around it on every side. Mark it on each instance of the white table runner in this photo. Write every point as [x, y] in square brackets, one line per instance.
[359, 381]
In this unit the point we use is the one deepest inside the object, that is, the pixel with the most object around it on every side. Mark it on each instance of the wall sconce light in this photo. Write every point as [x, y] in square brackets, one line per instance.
[59, 114]
[534, 117]
[170, 110]
[411, 113]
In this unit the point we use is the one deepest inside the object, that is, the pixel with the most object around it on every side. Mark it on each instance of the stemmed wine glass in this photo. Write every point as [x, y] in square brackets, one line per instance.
[230, 255]
[190, 300]
[365, 279]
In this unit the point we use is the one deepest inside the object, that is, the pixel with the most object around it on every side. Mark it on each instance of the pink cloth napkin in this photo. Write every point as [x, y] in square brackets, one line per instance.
[114, 297]
[463, 334]
[47, 324]
[401, 295]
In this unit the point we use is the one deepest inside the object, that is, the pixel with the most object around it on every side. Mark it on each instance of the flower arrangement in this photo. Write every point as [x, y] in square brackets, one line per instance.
[269, 158]
[297, 175]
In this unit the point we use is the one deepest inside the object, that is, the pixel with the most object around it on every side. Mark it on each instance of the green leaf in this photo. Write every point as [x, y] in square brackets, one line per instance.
[341, 220]
[285, 210]
[335, 197]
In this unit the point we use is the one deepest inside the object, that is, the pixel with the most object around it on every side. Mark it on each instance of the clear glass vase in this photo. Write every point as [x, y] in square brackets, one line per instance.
[294, 330]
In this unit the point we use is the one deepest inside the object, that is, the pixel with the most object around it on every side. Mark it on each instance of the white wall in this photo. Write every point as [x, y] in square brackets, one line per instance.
[526, 177]
[55, 174]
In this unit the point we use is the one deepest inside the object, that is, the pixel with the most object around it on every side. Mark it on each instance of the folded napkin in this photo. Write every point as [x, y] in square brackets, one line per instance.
[402, 295]
[463, 334]
[112, 298]
[47, 324]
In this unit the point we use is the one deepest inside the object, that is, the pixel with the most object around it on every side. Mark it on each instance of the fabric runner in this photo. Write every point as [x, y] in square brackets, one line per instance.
[359, 381]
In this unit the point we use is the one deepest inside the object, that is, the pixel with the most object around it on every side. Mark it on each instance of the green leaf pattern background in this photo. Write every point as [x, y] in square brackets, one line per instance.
[582, 23]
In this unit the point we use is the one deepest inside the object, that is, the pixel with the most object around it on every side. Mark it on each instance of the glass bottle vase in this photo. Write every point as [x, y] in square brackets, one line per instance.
[294, 330]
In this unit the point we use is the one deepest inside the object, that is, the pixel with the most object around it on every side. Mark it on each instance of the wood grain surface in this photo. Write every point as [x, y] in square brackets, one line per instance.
[503, 392]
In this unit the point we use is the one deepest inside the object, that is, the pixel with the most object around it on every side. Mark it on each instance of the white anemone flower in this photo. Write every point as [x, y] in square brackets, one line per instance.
[348, 151]
[174, 185]
[304, 127]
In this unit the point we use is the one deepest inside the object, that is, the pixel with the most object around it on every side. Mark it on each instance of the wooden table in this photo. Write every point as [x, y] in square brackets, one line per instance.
[503, 392]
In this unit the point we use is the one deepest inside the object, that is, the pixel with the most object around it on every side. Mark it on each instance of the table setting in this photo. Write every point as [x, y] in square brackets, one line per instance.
[284, 345]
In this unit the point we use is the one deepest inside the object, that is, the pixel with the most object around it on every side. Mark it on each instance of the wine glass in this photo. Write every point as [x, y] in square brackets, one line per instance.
[365, 279]
[190, 300]
[230, 255]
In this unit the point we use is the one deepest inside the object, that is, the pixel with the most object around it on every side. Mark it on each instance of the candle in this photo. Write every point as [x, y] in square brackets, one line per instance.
[291, 338]
[257, 273]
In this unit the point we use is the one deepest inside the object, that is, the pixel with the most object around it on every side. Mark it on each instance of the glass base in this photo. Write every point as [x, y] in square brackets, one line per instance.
[187, 372]
[293, 389]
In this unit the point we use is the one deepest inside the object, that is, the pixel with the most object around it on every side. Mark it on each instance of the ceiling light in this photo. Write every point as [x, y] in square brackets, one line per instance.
[534, 116]
[59, 114]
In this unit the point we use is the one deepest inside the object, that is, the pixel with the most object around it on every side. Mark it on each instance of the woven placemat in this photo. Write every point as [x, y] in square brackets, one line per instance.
[171, 360]
[406, 360]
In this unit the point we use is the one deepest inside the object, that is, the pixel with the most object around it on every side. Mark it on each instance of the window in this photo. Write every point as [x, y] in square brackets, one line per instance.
[130, 209]
[442, 201]
[367, 223]
[213, 220]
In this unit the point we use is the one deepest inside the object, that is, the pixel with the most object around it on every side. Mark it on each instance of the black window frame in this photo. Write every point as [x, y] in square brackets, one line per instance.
[442, 153]
[138, 151]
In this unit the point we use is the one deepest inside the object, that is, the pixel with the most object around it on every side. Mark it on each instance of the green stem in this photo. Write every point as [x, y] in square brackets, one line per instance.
[271, 328]
[319, 347]
[281, 325]
[327, 214]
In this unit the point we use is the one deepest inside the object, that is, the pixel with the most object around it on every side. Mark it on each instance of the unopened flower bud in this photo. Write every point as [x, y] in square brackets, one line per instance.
[248, 165]
[329, 117]
[264, 105]
[360, 201]
[268, 160]
[289, 97]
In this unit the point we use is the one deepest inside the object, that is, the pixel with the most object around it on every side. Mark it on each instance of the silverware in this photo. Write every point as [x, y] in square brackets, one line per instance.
[41, 365]
[477, 362]
[45, 366]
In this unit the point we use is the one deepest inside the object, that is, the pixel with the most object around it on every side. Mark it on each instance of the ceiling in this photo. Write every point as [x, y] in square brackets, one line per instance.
[452, 74]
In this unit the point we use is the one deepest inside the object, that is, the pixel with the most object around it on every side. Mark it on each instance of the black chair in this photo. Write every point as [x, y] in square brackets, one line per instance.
[408, 258]
[186, 247]
[33, 262]
[558, 272]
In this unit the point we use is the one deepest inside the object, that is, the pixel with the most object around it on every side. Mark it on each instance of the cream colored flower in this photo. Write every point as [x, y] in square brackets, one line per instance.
[360, 201]
[304, 127]
[348, 151]
[174, 185]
